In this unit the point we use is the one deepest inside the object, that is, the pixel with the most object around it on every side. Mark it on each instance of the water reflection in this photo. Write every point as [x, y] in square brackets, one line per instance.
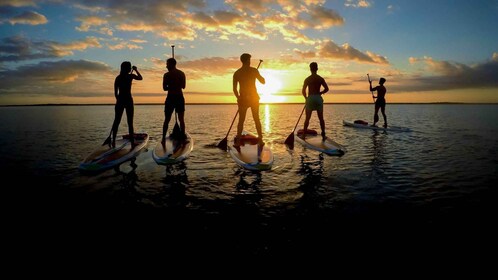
[311, 170]
[267, 126]
[378, 159]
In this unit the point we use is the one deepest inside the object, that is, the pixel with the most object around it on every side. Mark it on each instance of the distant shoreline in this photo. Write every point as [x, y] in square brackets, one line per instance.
[338, 103]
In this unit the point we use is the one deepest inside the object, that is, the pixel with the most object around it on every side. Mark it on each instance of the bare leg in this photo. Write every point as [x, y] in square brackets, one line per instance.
[306, 122]
[118, 113]
[322, 123]
[167, 118]
[181, 118]
[257, 122]
[383, 110]
[240, 125]
[376, 115]
[130, 111]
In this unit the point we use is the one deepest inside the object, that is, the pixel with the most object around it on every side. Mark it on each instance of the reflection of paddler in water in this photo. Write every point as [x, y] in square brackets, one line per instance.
[124, 100]
[244, 89]
[380, 103]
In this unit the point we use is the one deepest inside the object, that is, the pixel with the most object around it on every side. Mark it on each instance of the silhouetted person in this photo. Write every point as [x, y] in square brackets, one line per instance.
[247, 95]
[381, 100]
[124, 100]
[314, 99]
[173, 82]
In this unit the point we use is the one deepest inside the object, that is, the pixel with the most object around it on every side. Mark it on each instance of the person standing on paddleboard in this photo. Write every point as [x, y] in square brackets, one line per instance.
[124, 100]
[380, 103]
[314, 99]
[244, 89]
[174, 81]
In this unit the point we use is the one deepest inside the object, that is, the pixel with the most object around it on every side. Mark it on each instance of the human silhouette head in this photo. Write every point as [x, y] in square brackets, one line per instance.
[313, 66]
[245, 58]
[382, 81]
[125, 67]
[171, 63]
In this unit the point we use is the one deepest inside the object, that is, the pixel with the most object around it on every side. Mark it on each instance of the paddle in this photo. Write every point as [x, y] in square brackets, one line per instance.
[369, 81]
[108, 139]
[223, 143]
[290, 139]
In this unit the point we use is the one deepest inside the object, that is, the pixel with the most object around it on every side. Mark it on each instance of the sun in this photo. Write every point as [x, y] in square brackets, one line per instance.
[268, 92]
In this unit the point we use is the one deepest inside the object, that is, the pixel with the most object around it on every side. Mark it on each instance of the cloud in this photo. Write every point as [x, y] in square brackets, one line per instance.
[451, 75]
[30, 18]
[88, 22]
[42, 77]
[190, 20]
[18, 3]
[322, 18]
[18, 48]
[330, 50]
[357, 4]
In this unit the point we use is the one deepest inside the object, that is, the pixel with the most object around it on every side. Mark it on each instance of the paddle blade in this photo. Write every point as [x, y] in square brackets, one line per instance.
[223, 144]
[290, 141]
[107, 141]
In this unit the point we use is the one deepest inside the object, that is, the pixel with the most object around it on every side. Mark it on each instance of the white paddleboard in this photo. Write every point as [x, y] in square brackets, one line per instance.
[367, 126]
[250, 155]
[105, 157]
[313, 140]
[173, 151]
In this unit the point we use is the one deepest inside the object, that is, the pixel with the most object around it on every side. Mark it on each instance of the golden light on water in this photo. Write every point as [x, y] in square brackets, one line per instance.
[267, 126]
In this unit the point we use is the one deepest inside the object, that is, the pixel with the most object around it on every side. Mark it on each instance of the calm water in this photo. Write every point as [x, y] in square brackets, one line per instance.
[441, 174]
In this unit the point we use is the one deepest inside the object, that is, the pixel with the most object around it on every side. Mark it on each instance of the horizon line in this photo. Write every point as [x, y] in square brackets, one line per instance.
[271, 103]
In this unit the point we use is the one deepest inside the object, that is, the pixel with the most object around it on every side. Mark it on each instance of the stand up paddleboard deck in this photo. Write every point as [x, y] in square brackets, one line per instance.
[105, 157]
[173, 151]
[313, 140]
[364, 124]
[250, 155]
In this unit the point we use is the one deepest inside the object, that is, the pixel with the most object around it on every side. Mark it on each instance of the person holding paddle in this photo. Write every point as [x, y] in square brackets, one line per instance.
[244, 89]
[314, 99]
[174, 81]
[124, 100]
[380, 103]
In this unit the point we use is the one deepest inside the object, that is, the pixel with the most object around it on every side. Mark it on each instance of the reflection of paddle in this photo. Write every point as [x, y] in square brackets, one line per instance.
[177, 132]
[223, 143]
[369, 81]
[290, 139]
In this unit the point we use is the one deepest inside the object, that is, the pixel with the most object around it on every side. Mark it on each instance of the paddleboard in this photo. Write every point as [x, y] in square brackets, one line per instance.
[314, 141]
[366, 125]
[105, 157]
[173, 151]
[250, 155]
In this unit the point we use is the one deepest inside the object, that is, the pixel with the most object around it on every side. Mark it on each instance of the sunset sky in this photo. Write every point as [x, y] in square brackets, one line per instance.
[58, 51]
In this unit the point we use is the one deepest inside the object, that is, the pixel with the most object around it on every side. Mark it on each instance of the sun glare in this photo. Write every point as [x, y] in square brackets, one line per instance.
[268, 92]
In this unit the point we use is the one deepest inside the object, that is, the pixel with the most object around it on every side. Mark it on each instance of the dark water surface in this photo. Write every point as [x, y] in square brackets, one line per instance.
[438, 179]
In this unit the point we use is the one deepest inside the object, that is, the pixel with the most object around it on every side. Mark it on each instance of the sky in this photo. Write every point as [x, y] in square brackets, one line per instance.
[59, 52]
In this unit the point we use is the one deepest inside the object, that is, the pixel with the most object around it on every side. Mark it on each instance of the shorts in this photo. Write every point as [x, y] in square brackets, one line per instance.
[246, 102]
[380, 103]
[314, 103]
[174, 102]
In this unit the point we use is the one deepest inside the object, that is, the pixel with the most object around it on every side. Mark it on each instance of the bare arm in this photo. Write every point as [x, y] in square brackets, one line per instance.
[235, 90]
[138, 76]
[303, 91]
[184, 81]
[165, 84]
[116, 88]
[260, 78]
[325, 87]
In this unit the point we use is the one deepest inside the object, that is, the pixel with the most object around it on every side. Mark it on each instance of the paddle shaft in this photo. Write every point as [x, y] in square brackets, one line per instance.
[370, 82]
[299, 119]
